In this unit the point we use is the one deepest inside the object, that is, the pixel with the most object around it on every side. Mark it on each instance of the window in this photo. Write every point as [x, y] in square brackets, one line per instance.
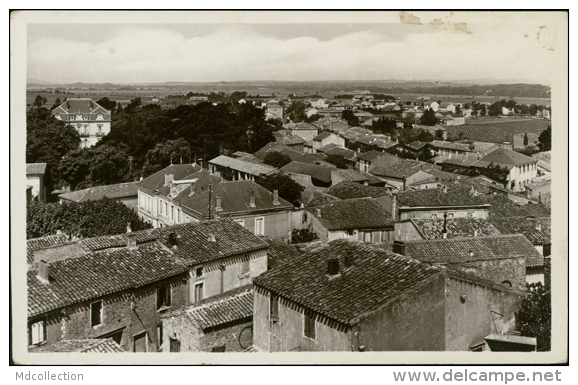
[164, 296]
[198, 292]
[274, 308]
[244, 267]
[367, 237]
[240, 221]
[175, 345]
[219, 349]
[166, 209]
[37, 332]
[199, 272]
[96, 314]
[309, 325]
[260, 226]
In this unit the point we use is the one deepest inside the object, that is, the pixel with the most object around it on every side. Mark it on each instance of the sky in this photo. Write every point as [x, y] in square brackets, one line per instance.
[405, 47]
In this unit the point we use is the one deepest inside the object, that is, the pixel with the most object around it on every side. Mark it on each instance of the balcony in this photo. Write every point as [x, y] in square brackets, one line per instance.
[84, 134]
[100, 134]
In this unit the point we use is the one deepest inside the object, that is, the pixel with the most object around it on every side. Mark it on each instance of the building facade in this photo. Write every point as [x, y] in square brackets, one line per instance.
[90, 119]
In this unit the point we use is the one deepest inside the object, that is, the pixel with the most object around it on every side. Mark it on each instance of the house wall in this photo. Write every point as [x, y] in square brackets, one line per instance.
[468, 321]
[289, 330]
[38, 189]
[535, 274]
[132, 311]
[457, 213]
[227, 271]
[89, 130]
[276, 225]
[414, 322]
[193, 339]
[307, 134]
[500, 270]
[520, 176]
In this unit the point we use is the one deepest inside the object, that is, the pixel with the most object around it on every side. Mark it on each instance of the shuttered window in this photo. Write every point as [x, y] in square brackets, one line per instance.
[309, 325]
[274, 307]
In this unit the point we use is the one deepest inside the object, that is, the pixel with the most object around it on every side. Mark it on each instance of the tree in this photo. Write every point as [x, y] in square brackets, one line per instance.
[109, 165]
[287, 187]
[534, 319]
[428, 118]
[526, 139]
[276, 159]
[74, 168]
[495, 172]
[38, 101]
[351, 119]
[134, 103]
[336, 160]
[303, 236]
[296, 111]
[107, 104]
[167, 153]
[440, 134]
[545, 139]
[87, 219]
[48, 139]
[57, 103]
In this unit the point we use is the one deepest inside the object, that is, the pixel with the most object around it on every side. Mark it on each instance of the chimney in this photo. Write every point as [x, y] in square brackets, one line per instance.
[333, 266]
[471, 253]
[212, 238]
[538, 226]
[475, 233]
[131, 241]
[252, 199]
[445, 229]
[404, 179]
[168, 179]
[398, 247]
[58, 232]
[276, 197]
[318, 212]
[172, 239]
[445, 189]
[128, 229]
[43, 270]
[394, 206]
[219, 205]
[349, 259]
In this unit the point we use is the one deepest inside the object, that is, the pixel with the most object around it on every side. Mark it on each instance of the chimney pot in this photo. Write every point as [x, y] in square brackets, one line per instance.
[398, 247]
[539, 226]
[471, 253]
[276, 197]
[219, 205]
[128, 228]
[212, 238]
[333, 266]
[131, 241]
[252, 199]
[168, 179]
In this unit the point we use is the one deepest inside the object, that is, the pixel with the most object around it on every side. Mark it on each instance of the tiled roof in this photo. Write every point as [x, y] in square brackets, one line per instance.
[317, 172]
[536, 230]
[82, 105]
[280, 253]
[241, 165]
[43, 243]
[503, 158]
[235, 197]
[324, 135]
[451, 145]
[348, 190]
[289, 139]
[456, 250]
[35, 168]
[544, 159]
[497, 132]
[277, 147]
[406, 167]
[357, 176]
[114, 191]
[444, 175]
[371, 155]
[456, 227]
[96, 345]
[340, 151]
[314, 197]
[157, 180]
[417, 145]
[234, 306]
[376, 278]
[98, 274]
[450, 196]
[357, 213]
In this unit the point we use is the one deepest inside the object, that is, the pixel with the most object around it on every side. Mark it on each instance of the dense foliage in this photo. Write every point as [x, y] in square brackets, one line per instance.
[545, 139]
[144, 139]
[288, 188]
[87, 219]
[428, 118]
[276, 159]
[534, 319]
[303, 235]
